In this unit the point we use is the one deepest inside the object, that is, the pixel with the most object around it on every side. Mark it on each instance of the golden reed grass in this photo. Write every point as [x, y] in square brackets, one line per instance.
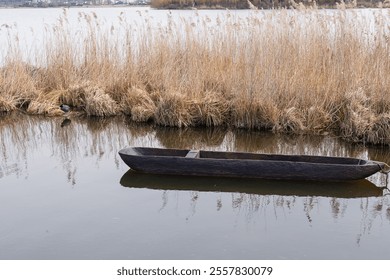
[265, 4]
[302, 72]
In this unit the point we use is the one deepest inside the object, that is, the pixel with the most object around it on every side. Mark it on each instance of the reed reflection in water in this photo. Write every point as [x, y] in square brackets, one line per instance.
[256, 195]
[208, 217]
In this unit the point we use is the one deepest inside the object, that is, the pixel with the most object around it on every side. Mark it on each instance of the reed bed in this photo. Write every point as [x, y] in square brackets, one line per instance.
[264, 4]
[296, 71]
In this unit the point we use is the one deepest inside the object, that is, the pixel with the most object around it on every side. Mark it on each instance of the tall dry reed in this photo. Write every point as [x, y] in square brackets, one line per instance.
[292, 71]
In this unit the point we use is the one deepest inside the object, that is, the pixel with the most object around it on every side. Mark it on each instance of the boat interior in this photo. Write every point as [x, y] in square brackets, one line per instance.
[244, 156]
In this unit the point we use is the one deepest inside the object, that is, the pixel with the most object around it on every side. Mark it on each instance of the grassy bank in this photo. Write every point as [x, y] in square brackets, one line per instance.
[303, 72]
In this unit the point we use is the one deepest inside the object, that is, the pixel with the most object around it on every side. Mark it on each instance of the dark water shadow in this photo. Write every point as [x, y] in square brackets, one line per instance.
[352, 189]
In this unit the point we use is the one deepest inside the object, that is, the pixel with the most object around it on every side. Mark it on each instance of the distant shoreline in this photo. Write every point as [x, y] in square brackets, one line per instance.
[267, 4]
[357, 5]
[73, 6]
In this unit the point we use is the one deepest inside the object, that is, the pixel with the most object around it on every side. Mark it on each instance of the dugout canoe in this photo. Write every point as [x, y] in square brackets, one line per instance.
[248, 165]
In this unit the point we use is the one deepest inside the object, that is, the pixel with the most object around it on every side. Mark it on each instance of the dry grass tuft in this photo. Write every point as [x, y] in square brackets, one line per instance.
[100, 104]
[75, 95]
[93, 100]
[38, 107]
[318, 120]
[7, 104]
[210, 109]
[18, 84]
[357, 116]
[45, 104]
[254, 114]
[290, 120]
[138, 104]
[172, 109]
[361, 123]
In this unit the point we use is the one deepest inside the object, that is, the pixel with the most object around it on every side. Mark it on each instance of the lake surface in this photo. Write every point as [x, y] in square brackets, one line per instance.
[66, 194]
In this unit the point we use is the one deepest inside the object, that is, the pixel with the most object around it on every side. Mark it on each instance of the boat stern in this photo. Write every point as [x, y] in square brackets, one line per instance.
[383, 167]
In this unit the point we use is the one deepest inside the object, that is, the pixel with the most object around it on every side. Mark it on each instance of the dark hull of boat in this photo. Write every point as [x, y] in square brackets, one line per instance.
[247, 165]
[345, 189]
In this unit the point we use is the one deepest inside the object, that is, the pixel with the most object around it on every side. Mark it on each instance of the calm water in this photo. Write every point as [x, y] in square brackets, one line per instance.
[66, 194]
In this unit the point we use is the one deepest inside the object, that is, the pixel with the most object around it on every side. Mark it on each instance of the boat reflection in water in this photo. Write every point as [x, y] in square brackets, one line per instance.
[350, 189]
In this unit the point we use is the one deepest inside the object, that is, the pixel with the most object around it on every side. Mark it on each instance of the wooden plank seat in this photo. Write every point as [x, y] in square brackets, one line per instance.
[193, 154]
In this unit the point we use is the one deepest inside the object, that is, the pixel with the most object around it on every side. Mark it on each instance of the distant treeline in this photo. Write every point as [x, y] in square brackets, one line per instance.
[261, 4]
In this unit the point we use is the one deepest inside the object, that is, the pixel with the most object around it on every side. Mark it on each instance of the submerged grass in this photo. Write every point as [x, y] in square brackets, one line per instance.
[289, 71]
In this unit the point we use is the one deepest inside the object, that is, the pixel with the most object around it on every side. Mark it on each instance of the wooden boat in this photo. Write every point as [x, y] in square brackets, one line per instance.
[252, 186]
[248, 165]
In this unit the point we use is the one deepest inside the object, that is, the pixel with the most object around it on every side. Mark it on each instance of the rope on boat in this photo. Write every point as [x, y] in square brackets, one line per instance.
[385, 169]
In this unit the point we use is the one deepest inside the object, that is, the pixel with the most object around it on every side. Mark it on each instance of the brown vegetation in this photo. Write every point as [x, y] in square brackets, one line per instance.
[264, 4]
[283, 70]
